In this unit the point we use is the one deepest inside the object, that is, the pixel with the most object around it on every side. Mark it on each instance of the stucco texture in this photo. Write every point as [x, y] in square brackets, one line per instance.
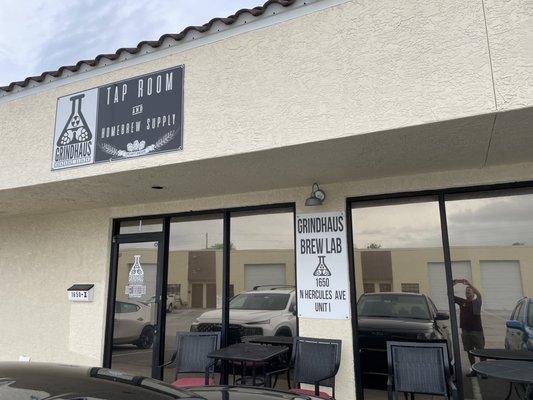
[42, 255]
[359, 67]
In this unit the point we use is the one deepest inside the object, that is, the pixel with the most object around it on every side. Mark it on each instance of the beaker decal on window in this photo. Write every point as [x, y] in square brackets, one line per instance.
[136, 287]
[321, 268]
[76, 129]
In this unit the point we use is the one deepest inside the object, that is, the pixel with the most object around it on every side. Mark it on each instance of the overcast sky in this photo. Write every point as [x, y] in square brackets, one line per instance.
[493, 221]
[42, 35]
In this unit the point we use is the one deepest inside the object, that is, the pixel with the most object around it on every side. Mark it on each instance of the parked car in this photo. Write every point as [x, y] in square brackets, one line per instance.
[134, 324]
[382, 317]
[39, 381]
[519, 335]
[265, 310]
[172, 301]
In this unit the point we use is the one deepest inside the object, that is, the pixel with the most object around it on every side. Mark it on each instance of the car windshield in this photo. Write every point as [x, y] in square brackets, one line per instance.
[393, 306]
[259, 301]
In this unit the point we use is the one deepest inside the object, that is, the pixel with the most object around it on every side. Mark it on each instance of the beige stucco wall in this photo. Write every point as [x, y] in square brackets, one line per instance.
[42, 255]
[347, 70]
[416, 62]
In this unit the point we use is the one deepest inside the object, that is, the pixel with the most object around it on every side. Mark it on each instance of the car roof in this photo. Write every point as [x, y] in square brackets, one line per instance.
[277, 288]
[394, 294]
[282, 291]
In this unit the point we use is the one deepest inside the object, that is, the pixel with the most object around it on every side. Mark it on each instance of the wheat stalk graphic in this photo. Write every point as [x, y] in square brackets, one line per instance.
[109, 149]
[163, 140]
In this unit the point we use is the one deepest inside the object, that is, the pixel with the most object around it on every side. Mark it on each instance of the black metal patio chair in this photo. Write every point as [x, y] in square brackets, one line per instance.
[190, 356]
[419, 367]
[315, 362]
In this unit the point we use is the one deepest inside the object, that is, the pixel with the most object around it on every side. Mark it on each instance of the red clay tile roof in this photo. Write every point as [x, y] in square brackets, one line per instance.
[256, 12]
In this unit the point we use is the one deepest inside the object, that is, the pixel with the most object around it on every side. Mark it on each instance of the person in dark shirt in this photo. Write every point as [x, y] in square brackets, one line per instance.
[470, 320]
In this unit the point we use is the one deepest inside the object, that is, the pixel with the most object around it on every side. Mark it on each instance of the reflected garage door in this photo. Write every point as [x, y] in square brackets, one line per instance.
[501, 284]
[437, 281]
[264, 274]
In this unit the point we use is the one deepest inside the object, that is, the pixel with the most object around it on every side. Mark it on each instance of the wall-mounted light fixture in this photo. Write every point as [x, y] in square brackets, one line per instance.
[317, 196]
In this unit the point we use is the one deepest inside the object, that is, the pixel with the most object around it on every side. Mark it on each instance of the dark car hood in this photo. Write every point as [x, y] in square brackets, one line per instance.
[44, 381]
[394, 324]
[41, 381]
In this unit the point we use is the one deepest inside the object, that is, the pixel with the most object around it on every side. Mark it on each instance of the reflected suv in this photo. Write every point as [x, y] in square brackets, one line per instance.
[265, 310]
[383, 317]
[519, 335]
[133, 324]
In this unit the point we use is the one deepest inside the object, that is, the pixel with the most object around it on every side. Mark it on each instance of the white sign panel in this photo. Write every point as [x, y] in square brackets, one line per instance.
[322, 266]
[81, 293]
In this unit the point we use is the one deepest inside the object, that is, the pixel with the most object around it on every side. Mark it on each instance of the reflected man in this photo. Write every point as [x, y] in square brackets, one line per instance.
[470, 320]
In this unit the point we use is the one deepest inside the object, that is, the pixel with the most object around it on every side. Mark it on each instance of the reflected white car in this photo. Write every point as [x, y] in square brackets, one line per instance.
[264, 311]
[173, 300]
[133, 324]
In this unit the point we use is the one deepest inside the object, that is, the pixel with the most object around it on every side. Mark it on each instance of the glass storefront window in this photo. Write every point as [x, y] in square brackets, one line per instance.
[262, 274]
[141, 226]
[491, 245]
[135, 308]
[400, 282]
[194, 282]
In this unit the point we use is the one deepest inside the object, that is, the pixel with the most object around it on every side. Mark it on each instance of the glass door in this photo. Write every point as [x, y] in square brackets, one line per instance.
[137, 305]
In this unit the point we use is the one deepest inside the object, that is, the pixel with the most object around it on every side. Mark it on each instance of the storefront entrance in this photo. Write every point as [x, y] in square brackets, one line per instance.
[138, 306]
[184, 273]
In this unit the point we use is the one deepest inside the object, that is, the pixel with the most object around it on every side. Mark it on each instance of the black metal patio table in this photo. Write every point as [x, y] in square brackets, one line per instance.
[249, 354]
[515, 372]
[272, 340]
[503, 354]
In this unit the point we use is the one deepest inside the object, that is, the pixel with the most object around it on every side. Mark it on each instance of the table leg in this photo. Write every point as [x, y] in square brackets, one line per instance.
[510, 391]
[253, 374]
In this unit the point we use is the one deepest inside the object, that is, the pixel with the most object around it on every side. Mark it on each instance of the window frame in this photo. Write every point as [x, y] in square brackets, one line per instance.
[226, 214]
[441, 195]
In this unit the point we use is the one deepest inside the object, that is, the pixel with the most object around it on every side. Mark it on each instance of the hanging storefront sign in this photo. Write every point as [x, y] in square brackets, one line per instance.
[322, 266]
[122, 120]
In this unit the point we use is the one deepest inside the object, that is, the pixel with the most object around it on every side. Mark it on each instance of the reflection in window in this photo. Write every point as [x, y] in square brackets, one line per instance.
[493, 234]
[135, 312]
[395, 244]
[410, 288]
[260, 301]
[262, 274]
[393, 306]
[194, 283]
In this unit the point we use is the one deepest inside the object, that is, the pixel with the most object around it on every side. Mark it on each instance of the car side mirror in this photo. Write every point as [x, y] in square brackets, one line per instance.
[442, 316]
[292, 310]
[514, 324]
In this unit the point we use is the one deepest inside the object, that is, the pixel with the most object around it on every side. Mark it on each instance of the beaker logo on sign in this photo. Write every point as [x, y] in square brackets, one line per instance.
[76, 129]
[322, 269]
[74, 138]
